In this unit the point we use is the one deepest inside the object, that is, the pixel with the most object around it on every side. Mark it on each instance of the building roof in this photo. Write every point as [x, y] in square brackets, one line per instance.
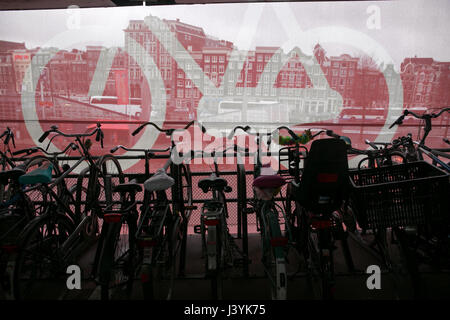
[9, 45]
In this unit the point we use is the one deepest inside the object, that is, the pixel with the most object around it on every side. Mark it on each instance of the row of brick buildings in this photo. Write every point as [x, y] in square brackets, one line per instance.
[262, 75]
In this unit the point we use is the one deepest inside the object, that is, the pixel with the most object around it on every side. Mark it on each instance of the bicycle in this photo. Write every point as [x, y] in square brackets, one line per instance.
[152, 243]
[20, 208]
[53, 240]
[416, 153]
[318, 191]
[217, 243]
[275, 240]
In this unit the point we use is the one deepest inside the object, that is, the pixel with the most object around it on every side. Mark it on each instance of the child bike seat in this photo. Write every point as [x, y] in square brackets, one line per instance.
[159, 181]
[42, 174]
[324, 183]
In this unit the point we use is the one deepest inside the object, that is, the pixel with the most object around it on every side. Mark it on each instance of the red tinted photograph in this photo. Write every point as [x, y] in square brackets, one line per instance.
[224, 151]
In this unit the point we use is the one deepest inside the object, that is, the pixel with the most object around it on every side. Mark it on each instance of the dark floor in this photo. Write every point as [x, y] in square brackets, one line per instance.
[352, 286]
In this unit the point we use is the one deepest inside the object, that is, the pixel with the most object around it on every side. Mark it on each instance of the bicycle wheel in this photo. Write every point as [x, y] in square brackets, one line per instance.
[274, 258]
[186, 186]
[38, 263]
[98, 192]
[214, 260]
[162, 271]
[185, 189]
[109, 176]
[91, 231]
[116, 269]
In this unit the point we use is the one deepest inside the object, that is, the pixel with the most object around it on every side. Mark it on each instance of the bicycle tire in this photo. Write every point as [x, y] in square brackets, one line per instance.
[274, 255]
[213, 262]
[51, 230]
[185, 189]
[91, 231]
[116, 261]
[109, 176]
[162, 271]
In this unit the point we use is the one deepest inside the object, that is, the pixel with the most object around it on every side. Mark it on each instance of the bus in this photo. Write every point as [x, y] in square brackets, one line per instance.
[257, 111]
[134, 108]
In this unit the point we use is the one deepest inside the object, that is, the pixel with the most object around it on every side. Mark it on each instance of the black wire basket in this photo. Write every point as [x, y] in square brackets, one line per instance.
[410, 194]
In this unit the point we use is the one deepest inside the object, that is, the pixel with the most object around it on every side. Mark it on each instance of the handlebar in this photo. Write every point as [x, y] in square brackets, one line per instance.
[250, 131]
[9, 136]
[54, 129]
[168, 132]
[424, 116]
[149, 151]
[32, 150]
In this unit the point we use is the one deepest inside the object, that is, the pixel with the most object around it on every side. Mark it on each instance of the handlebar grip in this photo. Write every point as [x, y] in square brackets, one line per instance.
[230, 136]
[44, 136]
[330, 133]
[371, 144]
[114, 149]
[98, 136]
[392, 125]
[135, 132]
[101, 138]
[27, 151]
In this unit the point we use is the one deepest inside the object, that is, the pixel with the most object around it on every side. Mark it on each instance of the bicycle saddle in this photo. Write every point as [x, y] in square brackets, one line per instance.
[268, 179]
[212, 182]
[40, 175]
[130, 186]
[159, 181]
[13, 173]
[272, 181]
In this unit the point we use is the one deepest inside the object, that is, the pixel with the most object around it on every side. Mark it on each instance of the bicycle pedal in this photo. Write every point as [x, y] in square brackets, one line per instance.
[198, 229]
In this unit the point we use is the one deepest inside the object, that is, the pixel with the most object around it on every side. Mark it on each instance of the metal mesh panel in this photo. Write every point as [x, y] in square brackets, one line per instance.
[198, 172]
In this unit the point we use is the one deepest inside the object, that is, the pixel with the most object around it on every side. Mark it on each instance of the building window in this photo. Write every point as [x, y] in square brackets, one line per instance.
[207, 59]
[214, 59]
[221, 59]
